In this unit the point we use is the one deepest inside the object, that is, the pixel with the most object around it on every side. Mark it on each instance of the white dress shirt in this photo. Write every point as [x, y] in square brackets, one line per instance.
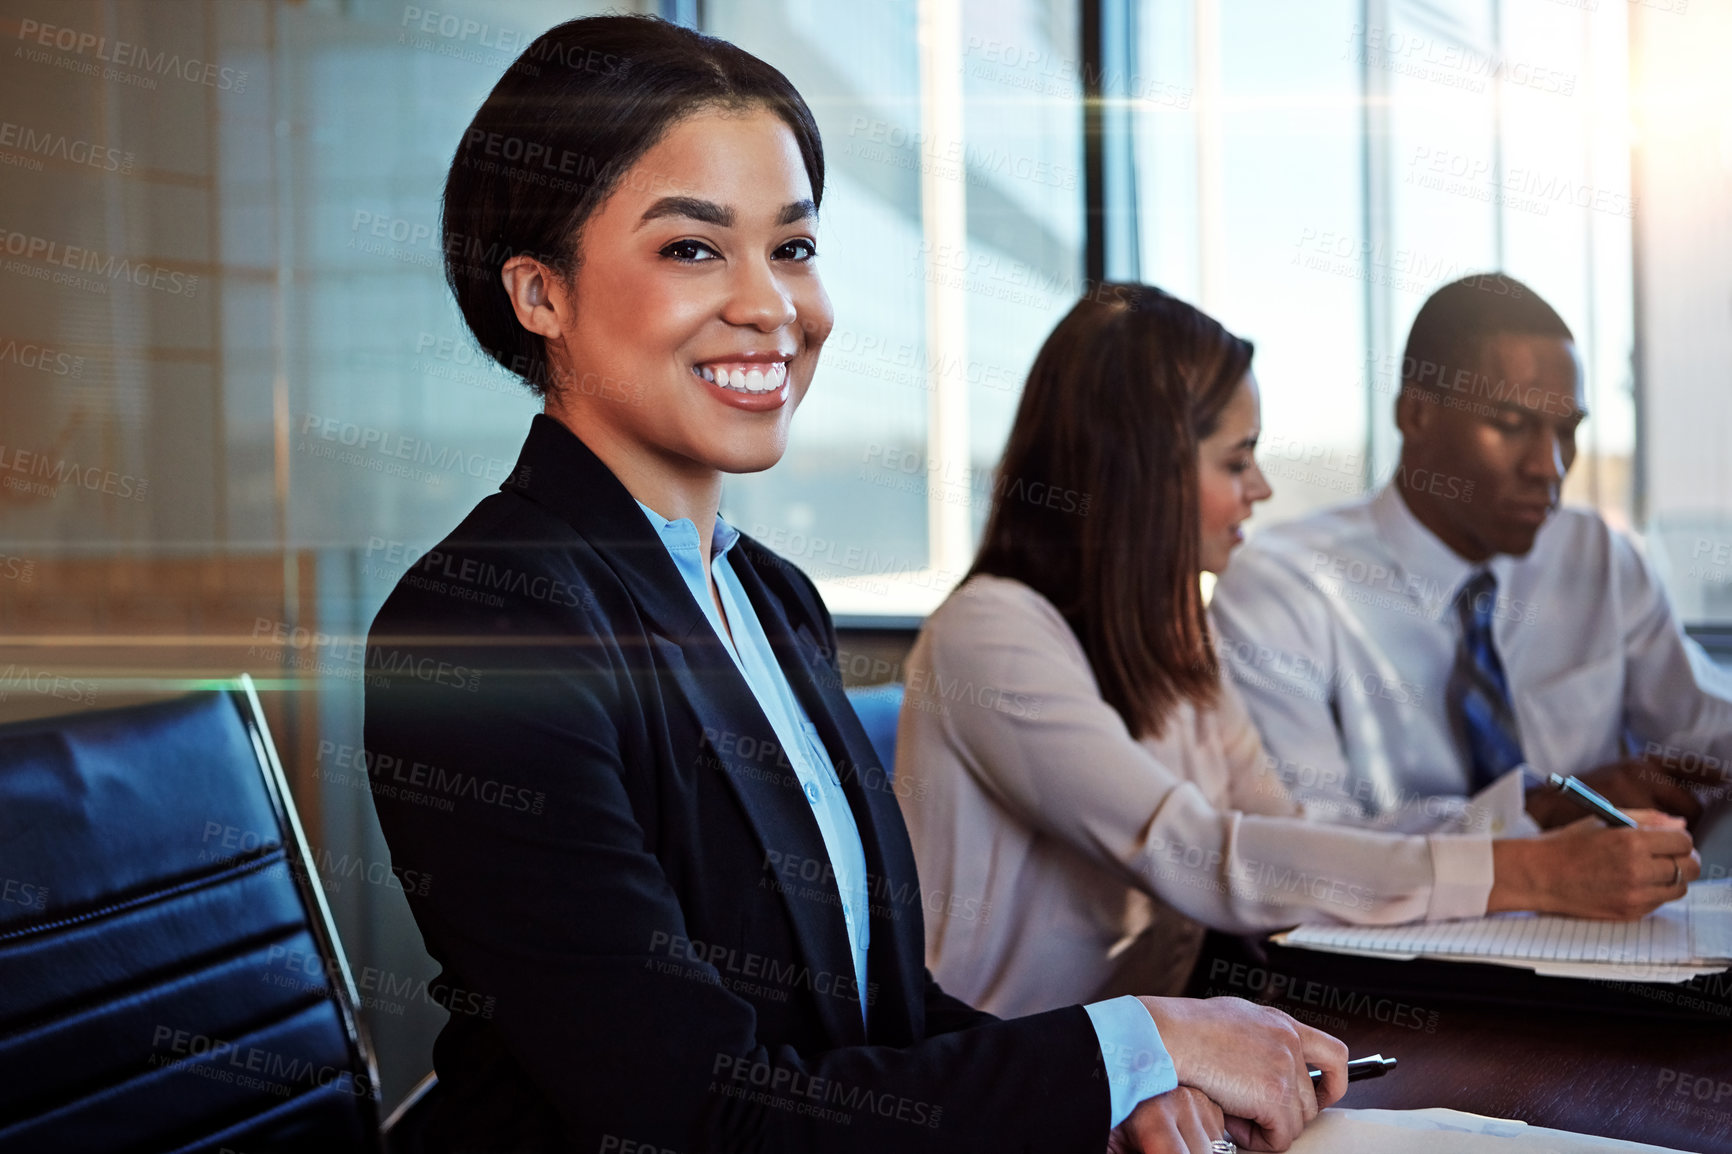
[1341, 632]
[1065, 860]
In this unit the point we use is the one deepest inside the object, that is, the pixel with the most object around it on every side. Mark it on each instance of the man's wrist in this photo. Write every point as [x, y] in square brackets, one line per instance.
[1513, 873]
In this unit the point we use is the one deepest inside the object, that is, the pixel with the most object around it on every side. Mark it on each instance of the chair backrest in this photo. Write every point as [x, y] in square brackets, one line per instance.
[878, 707]
[170, 978]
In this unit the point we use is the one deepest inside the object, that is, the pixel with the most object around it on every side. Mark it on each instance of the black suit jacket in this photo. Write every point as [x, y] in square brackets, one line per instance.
[619, 873]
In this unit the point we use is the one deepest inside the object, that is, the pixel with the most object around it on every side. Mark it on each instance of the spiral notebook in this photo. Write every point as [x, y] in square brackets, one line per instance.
[1678, 941]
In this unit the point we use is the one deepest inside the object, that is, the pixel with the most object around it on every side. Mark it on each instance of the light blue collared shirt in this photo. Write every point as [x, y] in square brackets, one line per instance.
[1136, 1060]
[756, 661]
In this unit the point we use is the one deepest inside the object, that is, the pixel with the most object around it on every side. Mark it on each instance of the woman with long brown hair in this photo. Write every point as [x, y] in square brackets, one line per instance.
[1084, 790]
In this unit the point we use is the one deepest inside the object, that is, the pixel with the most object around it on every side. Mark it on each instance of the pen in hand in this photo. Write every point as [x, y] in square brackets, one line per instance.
[1360, 1069]
[1357, 1071]
[1590, 800]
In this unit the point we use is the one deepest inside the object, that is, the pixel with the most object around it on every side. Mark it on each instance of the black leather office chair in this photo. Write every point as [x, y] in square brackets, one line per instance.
[170, 978]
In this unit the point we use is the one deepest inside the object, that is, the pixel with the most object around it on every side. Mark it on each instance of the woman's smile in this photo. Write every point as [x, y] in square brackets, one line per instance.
[755, 381]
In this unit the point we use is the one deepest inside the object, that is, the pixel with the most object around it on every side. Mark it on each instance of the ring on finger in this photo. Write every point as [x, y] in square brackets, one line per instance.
[1677, 871]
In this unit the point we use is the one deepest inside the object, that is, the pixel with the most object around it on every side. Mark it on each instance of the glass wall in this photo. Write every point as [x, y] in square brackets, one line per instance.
[269, 405]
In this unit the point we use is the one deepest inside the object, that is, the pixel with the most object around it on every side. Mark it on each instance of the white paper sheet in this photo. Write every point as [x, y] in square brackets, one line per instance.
[1678, 941]
[1447, 1132]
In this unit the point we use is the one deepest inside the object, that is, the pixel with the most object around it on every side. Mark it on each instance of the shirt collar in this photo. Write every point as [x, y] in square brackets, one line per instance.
[1436, 571]
[683, 534]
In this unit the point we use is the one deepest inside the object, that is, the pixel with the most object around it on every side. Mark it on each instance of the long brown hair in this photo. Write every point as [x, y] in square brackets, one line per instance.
[1095, 502]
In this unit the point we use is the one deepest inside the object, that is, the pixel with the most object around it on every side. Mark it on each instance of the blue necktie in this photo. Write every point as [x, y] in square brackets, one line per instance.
[1478, 693]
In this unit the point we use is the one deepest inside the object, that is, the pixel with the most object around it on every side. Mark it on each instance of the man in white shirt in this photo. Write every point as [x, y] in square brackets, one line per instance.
[1417, 646]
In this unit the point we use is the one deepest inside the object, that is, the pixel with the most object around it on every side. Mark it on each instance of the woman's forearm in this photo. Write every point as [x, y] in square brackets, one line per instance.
[1247, 873]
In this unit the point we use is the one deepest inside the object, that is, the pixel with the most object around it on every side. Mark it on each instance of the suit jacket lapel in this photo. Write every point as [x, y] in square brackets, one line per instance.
[559, 472]
[736, 738]
[895, 961]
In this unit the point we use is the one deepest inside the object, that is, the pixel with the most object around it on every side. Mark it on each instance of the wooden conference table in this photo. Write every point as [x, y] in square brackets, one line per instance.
[1642, 1063]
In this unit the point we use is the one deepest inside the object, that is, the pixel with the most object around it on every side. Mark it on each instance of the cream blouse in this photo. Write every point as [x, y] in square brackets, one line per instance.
[1062, 860]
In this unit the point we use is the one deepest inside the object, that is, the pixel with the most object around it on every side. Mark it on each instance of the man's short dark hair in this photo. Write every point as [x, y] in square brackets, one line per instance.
[1452, 328]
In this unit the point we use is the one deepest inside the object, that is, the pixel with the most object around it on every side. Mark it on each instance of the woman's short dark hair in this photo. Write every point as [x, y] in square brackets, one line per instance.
[1095, 504]
[582, 104]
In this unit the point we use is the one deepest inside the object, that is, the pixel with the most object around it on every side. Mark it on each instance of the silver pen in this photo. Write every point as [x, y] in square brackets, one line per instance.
[1572, 788]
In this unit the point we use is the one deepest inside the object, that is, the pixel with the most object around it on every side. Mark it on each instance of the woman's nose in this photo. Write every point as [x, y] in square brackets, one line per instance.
[758, 299]
[1259, 489]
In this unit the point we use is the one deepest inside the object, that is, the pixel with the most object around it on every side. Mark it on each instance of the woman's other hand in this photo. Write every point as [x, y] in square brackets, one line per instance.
[1254, 1062]
[1182, 1121]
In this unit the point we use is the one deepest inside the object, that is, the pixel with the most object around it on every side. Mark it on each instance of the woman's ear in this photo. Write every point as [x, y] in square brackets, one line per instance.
[537, 295]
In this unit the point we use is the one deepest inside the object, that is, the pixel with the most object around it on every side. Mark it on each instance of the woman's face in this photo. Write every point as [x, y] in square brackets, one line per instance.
[697, 311]
[1228, 479]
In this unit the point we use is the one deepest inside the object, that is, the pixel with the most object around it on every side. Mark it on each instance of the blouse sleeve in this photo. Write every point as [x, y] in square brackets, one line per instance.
[1019, 701]
[1253, 785]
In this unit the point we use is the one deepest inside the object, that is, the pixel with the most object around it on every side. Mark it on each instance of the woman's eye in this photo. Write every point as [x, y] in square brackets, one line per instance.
[800, 250]
[690, 251]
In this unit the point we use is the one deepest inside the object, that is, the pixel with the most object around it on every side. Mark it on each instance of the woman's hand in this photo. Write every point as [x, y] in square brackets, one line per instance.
[1252, 1060]
[1182, 1121]
[1588, 870]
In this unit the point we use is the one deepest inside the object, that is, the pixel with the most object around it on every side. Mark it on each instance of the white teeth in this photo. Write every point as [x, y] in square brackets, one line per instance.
[748, 380]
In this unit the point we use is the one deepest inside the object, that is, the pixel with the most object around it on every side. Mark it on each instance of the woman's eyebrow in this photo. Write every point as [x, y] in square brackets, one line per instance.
[798, 210]
[709, 212]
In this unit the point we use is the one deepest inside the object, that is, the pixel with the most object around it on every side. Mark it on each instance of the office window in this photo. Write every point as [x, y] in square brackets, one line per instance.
[1310, 174]
[952, 238]
[1249, 154]
[1680, 110]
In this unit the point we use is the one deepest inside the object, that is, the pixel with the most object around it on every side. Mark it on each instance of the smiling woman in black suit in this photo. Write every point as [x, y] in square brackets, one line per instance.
[660, 853]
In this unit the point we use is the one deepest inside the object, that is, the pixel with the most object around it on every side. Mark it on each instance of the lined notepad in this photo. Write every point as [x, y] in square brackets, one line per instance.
[1678, 941]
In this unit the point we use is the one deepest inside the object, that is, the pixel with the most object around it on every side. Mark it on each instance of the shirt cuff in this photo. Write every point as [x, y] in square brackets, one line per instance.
[1461, 876]
[1137, 1063]
[1501, 808]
